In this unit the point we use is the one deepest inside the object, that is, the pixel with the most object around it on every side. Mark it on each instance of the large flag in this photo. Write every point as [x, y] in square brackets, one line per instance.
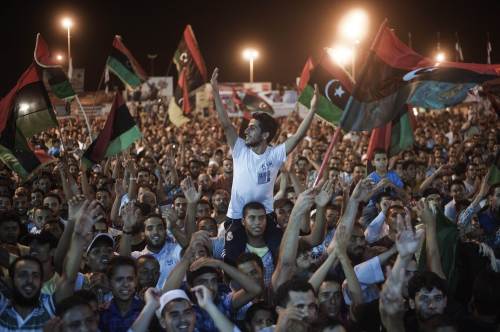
[57, 79]
[123, 64]
[396, 136]
[175, 114]
[190, 68]
[395, 75]
[119, 132]
[335, 86]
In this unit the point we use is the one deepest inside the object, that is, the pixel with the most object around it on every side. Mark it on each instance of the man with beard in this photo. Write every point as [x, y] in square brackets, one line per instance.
[166, 253]
[148, 272]
[29, 309]
[457, 193]
[21, 205]
[256, 164]
[225, 180]
[220, 202]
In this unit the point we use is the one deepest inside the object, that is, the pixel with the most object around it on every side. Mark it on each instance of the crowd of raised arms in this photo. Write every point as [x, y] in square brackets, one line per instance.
[218, 226]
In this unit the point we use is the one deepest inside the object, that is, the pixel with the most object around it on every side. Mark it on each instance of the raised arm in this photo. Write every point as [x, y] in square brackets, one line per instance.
[205, 301]
[152, 299]
[192, 197]
[431, 245]
[289, 243]
[129, 220]
[319, 229]
[293, 140]
[228, 127]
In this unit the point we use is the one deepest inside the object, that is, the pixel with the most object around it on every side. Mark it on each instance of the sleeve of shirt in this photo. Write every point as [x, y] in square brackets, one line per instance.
[217, 247]
[237, 148]
[370, 271]
[397, 180]
[279, 154]
[374, 229]
[465, 217]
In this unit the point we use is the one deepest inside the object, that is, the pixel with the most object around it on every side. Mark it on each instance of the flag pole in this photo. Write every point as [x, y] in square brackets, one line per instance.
[84, 116]
[336, 134]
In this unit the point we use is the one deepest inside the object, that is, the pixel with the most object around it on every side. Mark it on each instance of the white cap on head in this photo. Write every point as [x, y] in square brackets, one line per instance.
[169, 296]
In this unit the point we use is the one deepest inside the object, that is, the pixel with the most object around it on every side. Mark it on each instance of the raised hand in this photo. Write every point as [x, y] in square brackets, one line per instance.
[407, 240]
[203, 296]
[424, 212]
[204, 261]
[363, 190]
[325, 194]
[119, 190]
[305, 201]
[128, 215]
[86, 218]
[152, 297]
[214, 80]
[192, 195]
[341, 239]
[170, 216]
[288, 314]
[75, 204]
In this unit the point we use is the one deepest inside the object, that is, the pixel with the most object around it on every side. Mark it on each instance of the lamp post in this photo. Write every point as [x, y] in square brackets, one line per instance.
[68, 23]
[250, 55]
[353, 28]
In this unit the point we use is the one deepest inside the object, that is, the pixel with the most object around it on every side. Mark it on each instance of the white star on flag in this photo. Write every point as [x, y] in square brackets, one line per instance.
[339, 92]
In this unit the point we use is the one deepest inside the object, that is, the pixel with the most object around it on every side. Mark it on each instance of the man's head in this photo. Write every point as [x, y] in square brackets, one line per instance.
[155, 231]
[206, 276]
[41, 216]
[103, 196]
[357, 243]
[254, 219]
[26, 275]
[259, 316]
[36, 198]
[42, 246]
[180, 206]
[209, 225]
[359, 172]
[261, 129]
[427, 295]
[332, 214]
[10, 228]
[494, 197]
[227, 166]
[176, 312]
[5, 203]
[457, 190]
[283, 207]
[99, 252]
[304, 259]
[380, 160]
[251, 265]
[21, 204]
[143, 176]
[76, 315]
[409, 169]
[299, 294]
[148, 271]
[203, 209]
[122, 276]
[53, 202]
[45, 184]
[330, 297]
[205, 182]
[220, 201]
[392, 215]
[194, 168]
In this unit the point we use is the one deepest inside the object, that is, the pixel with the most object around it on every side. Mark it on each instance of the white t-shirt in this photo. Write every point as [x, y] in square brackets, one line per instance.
[254, 176]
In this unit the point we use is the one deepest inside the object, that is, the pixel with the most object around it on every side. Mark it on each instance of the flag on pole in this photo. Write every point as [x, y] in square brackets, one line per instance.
[119, 132]
[57, 79]
[175, 114]
[335, 86]
[459, 57]
[395, 75]
[122, 63]
[190, 68]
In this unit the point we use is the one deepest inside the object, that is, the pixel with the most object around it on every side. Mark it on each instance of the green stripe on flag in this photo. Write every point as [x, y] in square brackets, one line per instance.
[123, 141]
[123, 73]
[326, 110]
[402, 135]
[63, 90]
[12, 162]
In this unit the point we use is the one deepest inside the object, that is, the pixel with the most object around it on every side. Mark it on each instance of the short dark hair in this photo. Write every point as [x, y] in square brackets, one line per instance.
[456, 183]
[56, 196]
[87, 295]
[294, 284]
[250, 257]
[191, 275]
[253, 206]
[430, 191]
[282, 202]
[427, 280]
[12, 266]
[267, 124]
[118, 261]
[257, 306]
[69, 303]
[379, 151]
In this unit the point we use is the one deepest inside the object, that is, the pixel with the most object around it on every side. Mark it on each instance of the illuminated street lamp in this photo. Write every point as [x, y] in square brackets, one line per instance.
[440, 57]
[67, 23]
[353, 28]
[250, 55]
[59, 58]
[340, 54]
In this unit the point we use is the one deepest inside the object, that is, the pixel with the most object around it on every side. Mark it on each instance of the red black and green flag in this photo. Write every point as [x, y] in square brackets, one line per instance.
[395, 75]
[119, 132]
[124, 65]
[396, 136]
[190, 68]
[57, 79]
[335, 86]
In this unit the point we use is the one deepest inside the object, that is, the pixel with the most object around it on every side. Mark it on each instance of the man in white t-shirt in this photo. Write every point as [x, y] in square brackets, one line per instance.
[255, 162]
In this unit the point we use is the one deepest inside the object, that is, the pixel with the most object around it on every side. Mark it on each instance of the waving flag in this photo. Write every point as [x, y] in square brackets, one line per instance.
[121, 63]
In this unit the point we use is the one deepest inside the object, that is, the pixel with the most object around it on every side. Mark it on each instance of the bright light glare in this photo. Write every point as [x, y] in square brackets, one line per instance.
[354, 25]
[440, 57]
[415, 111]
[59, 57]
[340, 54]
[250, 54]
[67, 22]
[23, 107]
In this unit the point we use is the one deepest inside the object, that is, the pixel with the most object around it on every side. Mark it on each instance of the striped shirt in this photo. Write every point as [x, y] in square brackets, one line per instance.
[10, 320]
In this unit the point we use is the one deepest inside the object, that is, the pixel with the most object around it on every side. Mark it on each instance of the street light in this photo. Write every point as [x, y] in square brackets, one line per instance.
[440, 57]
[340, 54]
[67, 23]
[353, 27]
[250, 55]
[59, 58]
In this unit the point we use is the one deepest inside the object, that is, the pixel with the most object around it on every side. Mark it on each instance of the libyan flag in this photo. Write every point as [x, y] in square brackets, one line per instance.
[119, 132]
[395, 75]
[123, 64]
[57, 79]
[334, 84]
[190, 68]
[396, 136]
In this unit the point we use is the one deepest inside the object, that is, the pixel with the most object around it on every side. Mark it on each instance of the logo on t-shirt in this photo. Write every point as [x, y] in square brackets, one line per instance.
[264, 174]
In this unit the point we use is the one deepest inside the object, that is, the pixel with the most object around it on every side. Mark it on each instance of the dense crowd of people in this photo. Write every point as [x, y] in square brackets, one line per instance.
[219, 226]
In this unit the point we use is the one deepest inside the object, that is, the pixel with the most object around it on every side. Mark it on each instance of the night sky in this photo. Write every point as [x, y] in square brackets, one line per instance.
[285, 32]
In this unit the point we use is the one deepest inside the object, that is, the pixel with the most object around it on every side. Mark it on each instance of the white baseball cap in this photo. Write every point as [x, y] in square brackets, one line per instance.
[169, 296]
